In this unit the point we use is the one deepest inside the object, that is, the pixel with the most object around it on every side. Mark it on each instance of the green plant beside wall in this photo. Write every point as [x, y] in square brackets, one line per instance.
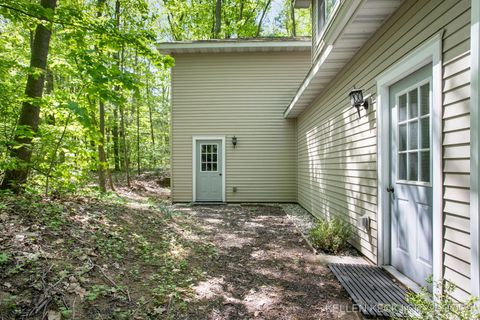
[440, 306]
[331, 235]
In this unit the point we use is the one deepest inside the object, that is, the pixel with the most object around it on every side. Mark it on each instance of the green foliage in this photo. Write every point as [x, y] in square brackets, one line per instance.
[440, 306]
[91, 58]
[4, 258]
[331, 235]
[239, 19]
[97, 291]
[98, 55]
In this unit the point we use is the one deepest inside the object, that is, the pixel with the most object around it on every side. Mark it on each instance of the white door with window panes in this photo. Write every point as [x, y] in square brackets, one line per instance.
[411, 181]
[209, 180]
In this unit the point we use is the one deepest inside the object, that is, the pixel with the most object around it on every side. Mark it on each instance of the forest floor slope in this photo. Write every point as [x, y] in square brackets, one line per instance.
[132, 255]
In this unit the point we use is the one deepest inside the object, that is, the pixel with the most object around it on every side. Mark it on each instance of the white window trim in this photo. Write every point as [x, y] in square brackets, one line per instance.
[429, 52]
[474, 148]
[194, 163]
[321, 33]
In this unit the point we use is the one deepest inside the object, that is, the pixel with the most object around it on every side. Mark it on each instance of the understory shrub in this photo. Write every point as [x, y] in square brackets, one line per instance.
[426, 305]
[331, 235]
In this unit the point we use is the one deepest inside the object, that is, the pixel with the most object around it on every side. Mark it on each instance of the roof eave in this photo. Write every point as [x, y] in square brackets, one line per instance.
[302, 4]
[338, 46]
[233, 46]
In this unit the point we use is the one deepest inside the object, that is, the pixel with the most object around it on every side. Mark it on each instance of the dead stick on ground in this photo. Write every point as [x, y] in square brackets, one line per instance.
[73, 307]
[113, 283]
[46, 293]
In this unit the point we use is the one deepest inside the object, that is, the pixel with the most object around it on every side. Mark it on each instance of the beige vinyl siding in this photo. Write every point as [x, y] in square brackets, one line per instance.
[337, 159]
[241, 94]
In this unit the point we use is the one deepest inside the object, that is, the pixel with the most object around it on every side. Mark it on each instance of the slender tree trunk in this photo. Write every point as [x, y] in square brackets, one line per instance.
[124, 142]
[240, 16]
[54, 155]
[102, 159]
[15, 178]
[294, 23]
[136, 106]
[138, 138]
[218, 19]
[150, 116]
[116, 156]
[264, 12]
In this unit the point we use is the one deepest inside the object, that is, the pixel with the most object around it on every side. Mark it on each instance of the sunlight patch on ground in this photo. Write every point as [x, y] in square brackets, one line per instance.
[229, 240]
[210, 288]
[263, 298]
[214, 221]
[253, 225]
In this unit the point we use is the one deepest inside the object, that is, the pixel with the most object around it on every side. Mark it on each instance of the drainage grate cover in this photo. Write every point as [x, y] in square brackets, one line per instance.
[372, 289]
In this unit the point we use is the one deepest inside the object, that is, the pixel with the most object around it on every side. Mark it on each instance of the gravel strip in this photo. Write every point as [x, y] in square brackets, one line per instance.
[303, 219]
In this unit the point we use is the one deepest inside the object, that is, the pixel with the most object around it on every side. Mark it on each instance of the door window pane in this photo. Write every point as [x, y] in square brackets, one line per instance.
[425, 99]
[413, 166]
[425, 131]
[402, 108]
[425, 166]
[209, 157]
[413, 135]
[402, 139]
[413, 104]
[402, 166]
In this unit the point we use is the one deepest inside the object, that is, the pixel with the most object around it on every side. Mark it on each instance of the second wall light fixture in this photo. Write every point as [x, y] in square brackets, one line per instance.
[357, 100]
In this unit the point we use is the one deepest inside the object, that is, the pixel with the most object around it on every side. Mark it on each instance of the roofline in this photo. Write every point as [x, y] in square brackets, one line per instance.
[302, 4]
[234, 45]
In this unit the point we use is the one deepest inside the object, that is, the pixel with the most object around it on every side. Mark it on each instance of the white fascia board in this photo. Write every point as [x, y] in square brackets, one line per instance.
[343, 14]
[302, 4]
[170, 47]
[306, 83]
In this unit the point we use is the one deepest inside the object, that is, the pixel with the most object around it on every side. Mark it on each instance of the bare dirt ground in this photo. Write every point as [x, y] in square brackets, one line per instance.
[263, 269]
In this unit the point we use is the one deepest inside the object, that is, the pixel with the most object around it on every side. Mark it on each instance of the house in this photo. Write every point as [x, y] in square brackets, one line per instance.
[272, 121]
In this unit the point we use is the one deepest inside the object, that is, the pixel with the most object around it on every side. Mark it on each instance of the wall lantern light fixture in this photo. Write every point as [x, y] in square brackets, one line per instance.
[234, 141]
[357, 100]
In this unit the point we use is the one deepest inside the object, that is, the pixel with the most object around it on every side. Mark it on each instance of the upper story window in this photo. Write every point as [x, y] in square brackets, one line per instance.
[324, 13]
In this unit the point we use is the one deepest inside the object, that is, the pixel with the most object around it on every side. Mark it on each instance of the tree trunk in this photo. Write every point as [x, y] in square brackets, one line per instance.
[136, 106]
[102, 159]
[218, 19]
[264, 12]
[15, 178]
[124, 142]
[240, 16]
[294, 23]
[116, 156]
[150, 116]
[101, 150]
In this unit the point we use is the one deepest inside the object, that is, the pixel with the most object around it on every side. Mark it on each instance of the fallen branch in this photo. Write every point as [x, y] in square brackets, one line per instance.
[125, 292]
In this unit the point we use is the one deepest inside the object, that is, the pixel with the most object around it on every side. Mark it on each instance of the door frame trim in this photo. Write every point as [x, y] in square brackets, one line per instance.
[474, 148]
[429, 52]
[194, 163]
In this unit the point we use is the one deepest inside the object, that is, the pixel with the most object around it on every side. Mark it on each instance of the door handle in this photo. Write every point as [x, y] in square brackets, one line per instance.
[219, 174]
[390, 189]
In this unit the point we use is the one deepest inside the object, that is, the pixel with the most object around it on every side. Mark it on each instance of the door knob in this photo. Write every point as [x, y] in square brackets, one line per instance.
[390, 189]
[219, 174]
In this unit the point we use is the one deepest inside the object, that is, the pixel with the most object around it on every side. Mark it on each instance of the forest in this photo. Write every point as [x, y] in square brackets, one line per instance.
[87, 228]
[84, 91]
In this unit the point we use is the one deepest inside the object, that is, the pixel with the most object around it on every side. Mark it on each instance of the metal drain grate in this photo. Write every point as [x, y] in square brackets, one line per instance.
[372, 289]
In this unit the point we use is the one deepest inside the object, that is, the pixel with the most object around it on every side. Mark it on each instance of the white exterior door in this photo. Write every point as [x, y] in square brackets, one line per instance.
[411, 175]
[209, 170]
